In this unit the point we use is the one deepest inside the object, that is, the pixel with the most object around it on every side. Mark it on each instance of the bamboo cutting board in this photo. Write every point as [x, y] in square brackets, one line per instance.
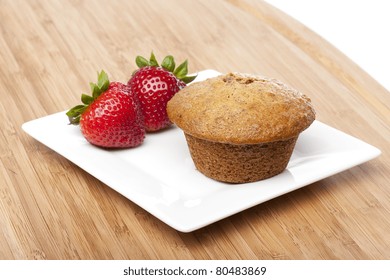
[52, 209]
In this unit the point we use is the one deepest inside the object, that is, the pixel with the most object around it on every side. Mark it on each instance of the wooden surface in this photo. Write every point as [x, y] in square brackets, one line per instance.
[51, 209]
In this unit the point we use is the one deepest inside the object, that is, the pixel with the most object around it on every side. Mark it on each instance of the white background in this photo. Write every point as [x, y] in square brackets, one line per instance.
[360, 29]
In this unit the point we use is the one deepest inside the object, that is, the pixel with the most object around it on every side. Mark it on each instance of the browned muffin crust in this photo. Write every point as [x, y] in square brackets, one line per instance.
[240, 163]
[241, 109]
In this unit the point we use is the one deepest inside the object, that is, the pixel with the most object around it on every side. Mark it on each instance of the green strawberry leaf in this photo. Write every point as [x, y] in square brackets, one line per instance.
[86, 99]
[188, 79]
[141, 61]
[95, 90]
[74, 114]
[103, 81]
[75, 110]
[182, 70]
[153, 60]
[168, 63]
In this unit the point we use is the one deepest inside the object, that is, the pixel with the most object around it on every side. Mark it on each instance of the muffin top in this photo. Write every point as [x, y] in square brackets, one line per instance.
[241, 109]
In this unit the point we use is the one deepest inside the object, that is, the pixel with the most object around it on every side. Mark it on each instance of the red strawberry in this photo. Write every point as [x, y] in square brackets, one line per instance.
[111, 117]
[155, 85]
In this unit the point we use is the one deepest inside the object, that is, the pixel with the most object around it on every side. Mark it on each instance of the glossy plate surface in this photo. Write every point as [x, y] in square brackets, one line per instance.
[160, 176]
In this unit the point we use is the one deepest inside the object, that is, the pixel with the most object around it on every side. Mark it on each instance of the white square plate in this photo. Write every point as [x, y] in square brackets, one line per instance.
[160, 176]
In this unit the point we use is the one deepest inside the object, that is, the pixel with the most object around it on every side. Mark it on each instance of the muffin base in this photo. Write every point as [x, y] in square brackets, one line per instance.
[240, 163]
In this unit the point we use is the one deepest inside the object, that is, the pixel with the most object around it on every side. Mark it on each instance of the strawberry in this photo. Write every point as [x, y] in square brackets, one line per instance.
[111, 117]
[155, 85]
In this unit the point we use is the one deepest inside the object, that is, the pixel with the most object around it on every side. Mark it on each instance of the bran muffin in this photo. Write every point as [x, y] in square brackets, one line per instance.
[240, 128]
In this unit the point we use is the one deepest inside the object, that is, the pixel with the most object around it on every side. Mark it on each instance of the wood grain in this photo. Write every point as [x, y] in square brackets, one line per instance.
[51, 209]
